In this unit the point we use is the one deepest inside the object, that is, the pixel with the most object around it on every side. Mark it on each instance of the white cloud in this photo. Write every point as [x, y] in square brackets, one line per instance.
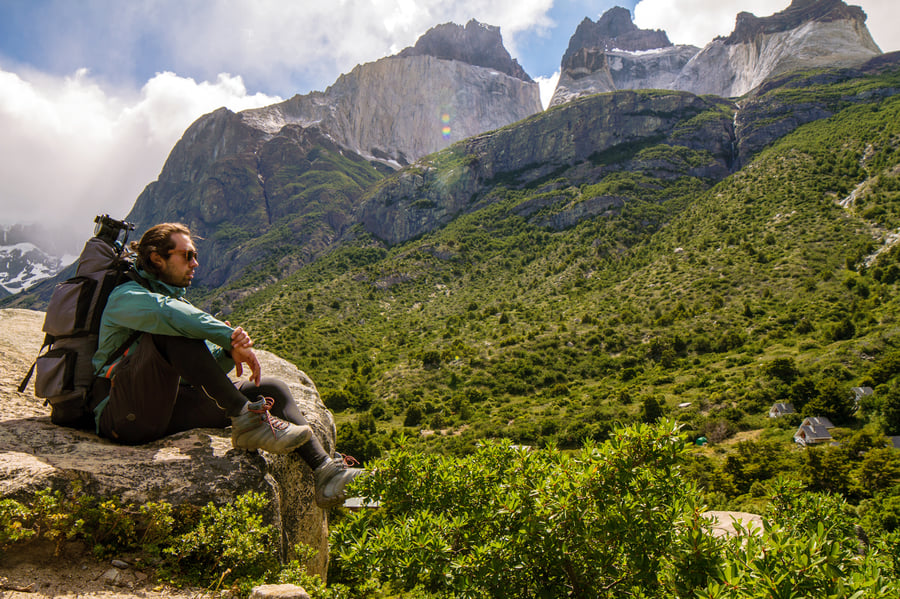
[169, 103]
[547, 87]
[73, 149]
[697, 22]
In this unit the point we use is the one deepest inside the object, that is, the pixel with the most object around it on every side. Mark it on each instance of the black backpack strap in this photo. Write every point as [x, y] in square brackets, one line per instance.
[112, 358]
[47, 341]
[128, 273]
[132, 274]
[122, 348]
[27, 378]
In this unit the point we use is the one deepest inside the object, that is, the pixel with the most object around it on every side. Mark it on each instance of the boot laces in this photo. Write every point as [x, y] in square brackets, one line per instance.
[347, 461]
[275, 423]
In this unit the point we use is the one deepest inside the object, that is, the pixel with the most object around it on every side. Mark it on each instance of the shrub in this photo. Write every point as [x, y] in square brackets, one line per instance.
[229, 542]
[14, 523]
[431, 359]
[514, 522]
[414, 415]
[207, 546]
[807, 548]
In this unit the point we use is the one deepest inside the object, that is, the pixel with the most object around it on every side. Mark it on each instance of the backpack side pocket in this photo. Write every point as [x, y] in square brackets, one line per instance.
[55, 373]
[70, 307]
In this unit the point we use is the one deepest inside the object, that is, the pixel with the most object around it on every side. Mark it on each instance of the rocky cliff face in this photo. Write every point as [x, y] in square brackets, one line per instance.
[593, 71]
[661, 134]
[256, 183]
[583, 138]
[252, 195]
[615, 30]
[749, 27]
[768, 113]
[398, 109]
[808, 34]
[614, 54]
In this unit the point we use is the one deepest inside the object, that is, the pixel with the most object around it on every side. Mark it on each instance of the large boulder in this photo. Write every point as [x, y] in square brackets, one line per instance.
[194, 467]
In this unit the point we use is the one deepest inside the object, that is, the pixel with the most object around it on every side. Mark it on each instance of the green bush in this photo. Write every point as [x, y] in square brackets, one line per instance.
[807, 548]
[14, 523]
[611, 520]
[231, 538]
[508, 521]
[213, 546]
[413, 416]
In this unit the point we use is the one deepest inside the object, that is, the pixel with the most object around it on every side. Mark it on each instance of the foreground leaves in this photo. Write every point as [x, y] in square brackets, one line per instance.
[511, 521]
[612, 520]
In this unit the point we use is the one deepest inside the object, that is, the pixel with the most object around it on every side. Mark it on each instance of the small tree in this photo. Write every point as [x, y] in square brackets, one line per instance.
[806, 548]
[651, 409]
[414, 415]
[783, 369]
[833, 400]
[890, 407]
[878, 471]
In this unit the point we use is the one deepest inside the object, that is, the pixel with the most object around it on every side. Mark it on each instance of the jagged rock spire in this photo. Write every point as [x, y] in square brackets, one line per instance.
[477, 44]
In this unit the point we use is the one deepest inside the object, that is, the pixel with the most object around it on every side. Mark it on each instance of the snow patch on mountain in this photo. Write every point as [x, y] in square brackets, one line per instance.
[24, 264]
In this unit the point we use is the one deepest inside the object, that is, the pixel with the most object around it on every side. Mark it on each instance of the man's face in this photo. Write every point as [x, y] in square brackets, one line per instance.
[177, 269]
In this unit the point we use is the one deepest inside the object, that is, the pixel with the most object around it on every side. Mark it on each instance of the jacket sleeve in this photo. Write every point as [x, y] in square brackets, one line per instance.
[133, 307]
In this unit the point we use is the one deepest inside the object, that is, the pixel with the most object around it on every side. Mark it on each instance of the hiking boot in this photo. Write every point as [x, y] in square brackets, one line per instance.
[258, 429]
[331, 479]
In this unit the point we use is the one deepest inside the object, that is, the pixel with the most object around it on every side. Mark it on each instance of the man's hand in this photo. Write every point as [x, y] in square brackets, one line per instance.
[240, 338]
[244, 355]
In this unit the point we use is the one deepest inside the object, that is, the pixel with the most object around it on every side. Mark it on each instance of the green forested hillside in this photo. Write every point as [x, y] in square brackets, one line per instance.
[705, 302]
[634, 314]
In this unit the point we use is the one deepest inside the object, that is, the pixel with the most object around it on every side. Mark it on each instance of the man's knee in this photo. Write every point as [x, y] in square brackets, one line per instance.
[276, 387]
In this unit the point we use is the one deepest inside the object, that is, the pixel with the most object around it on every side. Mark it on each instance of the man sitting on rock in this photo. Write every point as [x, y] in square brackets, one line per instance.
[173, 377]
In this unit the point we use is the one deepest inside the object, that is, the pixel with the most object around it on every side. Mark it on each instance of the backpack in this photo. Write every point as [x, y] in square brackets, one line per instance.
[64, 373]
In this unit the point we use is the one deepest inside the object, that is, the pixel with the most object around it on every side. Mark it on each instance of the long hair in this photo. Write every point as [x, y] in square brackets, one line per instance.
[157, 238]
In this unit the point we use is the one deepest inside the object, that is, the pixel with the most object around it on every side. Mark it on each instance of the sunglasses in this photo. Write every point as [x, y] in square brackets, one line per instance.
[189, 255]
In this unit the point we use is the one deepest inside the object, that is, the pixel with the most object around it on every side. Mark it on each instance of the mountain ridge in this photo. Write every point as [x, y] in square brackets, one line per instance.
[422, 198]
[235, 178]
[381, 116]
[748, 26]
[807, 34]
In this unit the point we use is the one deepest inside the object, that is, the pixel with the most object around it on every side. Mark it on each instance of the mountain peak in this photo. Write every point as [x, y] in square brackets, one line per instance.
[615, 30]
[748, 26]
[24, 264]
[477, 44]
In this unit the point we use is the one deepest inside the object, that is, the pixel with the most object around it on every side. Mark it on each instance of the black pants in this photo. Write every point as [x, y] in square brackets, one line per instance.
[170, 384]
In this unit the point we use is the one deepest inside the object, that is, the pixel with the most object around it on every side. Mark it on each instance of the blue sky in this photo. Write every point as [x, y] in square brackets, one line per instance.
[94, 93]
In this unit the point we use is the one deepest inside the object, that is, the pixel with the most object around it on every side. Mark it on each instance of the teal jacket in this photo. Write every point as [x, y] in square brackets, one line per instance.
[161, 310]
